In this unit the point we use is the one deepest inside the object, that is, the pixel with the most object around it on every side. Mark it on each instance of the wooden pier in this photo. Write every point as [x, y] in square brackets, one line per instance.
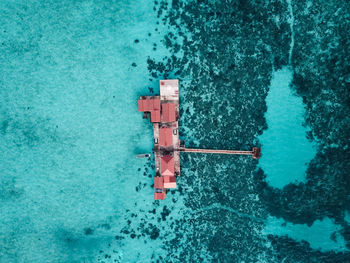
[163, 111]
[255, 152]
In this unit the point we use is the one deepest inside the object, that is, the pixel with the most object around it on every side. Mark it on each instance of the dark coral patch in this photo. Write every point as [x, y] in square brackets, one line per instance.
[166, 211]
[88, 231]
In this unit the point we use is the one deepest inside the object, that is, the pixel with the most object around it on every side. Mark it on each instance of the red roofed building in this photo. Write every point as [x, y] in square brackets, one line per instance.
[149, 104]
[159, 196]
[152, 106]
[169, 181]
[165, 137]
[158, 182]
[156, 104]
[167, 166]
[140, 103]
[155, 116]
[168, 112]
[163, 112]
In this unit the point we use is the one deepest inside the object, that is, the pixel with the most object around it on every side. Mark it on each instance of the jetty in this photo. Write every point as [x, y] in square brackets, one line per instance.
[163, 112]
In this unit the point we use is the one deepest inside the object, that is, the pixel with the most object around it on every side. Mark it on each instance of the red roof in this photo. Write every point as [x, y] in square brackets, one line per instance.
[165, 137]
[158, 182]
[167, 166]
[169, 179]
[159, 196]
[149, 104]
[140, 102]
[168, 112]
[169, 182]
[155, 116]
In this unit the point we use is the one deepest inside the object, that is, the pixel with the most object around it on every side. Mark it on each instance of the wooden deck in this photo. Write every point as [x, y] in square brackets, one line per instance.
[182, 149]
[156, 149]
[255, 152]
[169, 93]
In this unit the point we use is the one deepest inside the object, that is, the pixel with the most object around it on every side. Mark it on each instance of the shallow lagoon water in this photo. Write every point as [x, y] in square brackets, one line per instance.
[286, 150]
[286, 153]
[71, 128]
[318, 235]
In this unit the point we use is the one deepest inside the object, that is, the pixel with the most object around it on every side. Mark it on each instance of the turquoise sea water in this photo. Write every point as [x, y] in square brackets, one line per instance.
[322, 234]
[286, 153]
[71, 189]
[70, 126]
[286, 150]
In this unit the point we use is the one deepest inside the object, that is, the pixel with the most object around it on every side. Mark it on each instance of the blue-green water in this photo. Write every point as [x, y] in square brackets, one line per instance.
[318, 235]
[286, 151]
[347, 217]
[71, 189]
[70, 126]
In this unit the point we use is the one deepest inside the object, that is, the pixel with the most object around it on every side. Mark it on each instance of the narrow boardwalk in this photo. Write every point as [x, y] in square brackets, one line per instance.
[255, 152]
[215, 151]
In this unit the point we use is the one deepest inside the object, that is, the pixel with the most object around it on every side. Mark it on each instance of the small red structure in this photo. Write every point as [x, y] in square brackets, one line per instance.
[152, 105]
[159, 196]
[159, 188]
[167, 166]
[165, 137]
[155, 116]
[159, 182]
[168, 112]
[148, 105]
[169, 181]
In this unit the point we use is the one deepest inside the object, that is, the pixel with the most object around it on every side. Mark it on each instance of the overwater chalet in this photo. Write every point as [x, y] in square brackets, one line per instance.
[163, 112]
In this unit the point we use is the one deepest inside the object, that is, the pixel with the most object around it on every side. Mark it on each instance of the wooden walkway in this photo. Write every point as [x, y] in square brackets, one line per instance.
[215, 151]
[255, 153]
